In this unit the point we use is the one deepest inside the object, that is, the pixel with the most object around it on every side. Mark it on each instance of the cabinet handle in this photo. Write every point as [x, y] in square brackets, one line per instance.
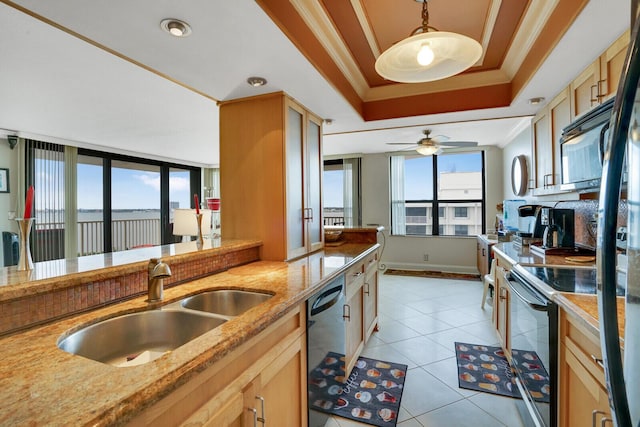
[594, 416]
[310, 214]
[604, 421]
[346, 312]
[262, 419]
[358, 274]
[547, 182]
[594, 98]
[366, 289]
[483, 252]
[598, 361]
[503, 295]
[600, 92]
[255, 416]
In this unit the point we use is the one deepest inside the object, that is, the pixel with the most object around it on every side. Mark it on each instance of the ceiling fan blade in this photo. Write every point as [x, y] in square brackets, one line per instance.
[459, 144]
[401, 143]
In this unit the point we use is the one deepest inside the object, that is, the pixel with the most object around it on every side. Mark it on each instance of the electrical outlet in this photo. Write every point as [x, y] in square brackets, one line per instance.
[425, 257]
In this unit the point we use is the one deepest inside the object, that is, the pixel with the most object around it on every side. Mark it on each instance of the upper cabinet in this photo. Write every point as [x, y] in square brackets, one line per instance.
[271, 175]
[597, 83]
[547, 128]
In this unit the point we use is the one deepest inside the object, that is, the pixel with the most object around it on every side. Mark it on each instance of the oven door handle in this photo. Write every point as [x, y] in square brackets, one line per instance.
[517, 288]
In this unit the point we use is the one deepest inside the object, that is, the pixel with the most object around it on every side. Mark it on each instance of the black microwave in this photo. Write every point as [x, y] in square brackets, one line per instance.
[582, 148]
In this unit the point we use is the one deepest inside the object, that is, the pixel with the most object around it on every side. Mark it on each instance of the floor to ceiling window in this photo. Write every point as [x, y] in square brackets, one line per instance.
[438, 195]
[90, 202]
[341, 192]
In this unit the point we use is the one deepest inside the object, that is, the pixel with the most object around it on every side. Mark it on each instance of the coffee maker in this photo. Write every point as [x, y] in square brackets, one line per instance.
[559, 228]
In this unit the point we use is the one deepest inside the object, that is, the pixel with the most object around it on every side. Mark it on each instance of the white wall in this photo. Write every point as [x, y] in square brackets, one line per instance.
[451, 254]
[8, 201]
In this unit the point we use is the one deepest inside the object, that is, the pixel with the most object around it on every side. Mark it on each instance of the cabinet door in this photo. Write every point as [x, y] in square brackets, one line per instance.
[283, 390]
[229, 416]
[295, 203]
[482, 257]
[370, 290]
[542, 149]
[584, 90]
[502, 313]
[611, 64]
[560, 117]
[313, 174]
[580, 393]
[354, 334]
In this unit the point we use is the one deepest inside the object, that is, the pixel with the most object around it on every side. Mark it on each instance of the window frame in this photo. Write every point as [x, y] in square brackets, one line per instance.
[436, 202]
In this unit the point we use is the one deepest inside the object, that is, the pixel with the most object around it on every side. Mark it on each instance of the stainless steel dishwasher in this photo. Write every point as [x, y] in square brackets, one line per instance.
[325, 335]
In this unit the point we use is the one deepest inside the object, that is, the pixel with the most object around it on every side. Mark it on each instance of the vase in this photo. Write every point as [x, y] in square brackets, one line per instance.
[199, 238]
[24, 227]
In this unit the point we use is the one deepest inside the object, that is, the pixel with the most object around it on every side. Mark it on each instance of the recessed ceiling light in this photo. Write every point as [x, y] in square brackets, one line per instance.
[176, 27]
[257, 81]
[536, 101]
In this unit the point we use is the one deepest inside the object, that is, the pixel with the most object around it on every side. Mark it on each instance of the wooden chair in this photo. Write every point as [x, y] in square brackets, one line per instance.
[488, 280]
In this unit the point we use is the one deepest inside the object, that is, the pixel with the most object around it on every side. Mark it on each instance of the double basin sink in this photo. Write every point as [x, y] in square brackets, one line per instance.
[141, 337]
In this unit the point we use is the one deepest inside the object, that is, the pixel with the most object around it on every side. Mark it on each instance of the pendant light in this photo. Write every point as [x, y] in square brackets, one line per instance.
[428, 54]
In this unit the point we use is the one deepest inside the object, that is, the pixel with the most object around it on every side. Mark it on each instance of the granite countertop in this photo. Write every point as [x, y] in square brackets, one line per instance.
[43, 385]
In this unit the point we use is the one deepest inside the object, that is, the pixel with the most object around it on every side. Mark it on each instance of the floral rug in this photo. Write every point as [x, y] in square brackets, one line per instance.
[371, 394]
[485, 368]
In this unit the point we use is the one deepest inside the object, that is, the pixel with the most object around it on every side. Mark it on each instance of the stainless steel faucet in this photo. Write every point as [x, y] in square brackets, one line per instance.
[158, 270]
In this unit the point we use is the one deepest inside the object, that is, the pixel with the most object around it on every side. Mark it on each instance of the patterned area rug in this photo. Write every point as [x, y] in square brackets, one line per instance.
[370, 395]
[485, 368]
[434, 274]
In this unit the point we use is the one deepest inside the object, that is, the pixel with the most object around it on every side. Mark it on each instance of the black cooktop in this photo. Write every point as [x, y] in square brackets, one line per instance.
[567, 279]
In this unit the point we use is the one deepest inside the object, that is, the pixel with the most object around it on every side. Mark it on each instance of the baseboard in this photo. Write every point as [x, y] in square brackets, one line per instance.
[461, 269]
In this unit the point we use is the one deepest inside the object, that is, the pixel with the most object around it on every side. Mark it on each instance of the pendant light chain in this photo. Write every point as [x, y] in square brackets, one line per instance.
[425, 27]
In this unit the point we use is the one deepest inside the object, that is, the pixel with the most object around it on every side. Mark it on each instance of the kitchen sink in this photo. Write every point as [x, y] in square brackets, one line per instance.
[137, 338]
[226, 302]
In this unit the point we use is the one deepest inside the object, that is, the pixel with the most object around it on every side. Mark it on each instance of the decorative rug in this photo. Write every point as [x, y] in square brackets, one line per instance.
[433, 274]
[370, 395]
[485, 368]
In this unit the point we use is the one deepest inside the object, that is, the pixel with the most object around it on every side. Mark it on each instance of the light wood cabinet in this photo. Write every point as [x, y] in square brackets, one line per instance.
[502, 303]
[547, 129]
[254, 376]
[370, 291]
[361, 295]
[271, 175]
[483, 255]
[581, 382]
[599, 81]
[354, 325]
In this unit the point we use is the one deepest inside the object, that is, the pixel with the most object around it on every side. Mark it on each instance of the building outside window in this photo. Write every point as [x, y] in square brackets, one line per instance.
[450, 184]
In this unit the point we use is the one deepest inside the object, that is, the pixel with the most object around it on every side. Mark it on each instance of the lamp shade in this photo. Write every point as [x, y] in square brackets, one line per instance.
[185, 223]
[428, 150]
[445, 54]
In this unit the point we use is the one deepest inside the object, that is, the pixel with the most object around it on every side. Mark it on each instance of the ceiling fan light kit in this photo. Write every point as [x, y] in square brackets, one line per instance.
[432, 145]
[428, 54]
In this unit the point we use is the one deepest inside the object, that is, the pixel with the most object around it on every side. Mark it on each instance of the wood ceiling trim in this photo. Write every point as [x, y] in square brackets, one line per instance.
[443, 102]
[556, 26]
[285, 16]
[508, 20]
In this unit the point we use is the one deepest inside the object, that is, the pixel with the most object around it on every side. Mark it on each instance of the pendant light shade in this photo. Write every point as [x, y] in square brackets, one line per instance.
[428, 55]
[428, 150]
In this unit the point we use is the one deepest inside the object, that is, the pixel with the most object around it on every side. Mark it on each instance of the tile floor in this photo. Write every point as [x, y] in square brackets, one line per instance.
[420, 319]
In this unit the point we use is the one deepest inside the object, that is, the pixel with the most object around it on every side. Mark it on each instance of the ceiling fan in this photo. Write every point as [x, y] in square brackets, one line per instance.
[430, 145]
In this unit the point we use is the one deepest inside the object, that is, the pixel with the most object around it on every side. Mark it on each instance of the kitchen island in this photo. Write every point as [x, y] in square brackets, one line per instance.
[43, 385]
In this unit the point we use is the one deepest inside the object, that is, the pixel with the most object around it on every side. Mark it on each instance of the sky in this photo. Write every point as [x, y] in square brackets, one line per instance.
[138, 189]
[131, 189]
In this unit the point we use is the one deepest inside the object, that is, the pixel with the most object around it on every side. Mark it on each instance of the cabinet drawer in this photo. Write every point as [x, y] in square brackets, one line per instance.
[354, 275]
[371, 262]
[584, 346]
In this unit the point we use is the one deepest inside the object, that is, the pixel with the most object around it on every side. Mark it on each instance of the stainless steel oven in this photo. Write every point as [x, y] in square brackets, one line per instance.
[533, 333]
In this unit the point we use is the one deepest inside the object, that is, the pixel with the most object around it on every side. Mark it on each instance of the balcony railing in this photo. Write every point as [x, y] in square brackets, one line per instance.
[125, 234]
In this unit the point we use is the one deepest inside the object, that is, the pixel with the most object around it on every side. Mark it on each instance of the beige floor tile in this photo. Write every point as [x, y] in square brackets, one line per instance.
[410, 423]
[422, 350]
[424, 393]
[459, 414]
[502, 408]
[446, 370]
[425, 324]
